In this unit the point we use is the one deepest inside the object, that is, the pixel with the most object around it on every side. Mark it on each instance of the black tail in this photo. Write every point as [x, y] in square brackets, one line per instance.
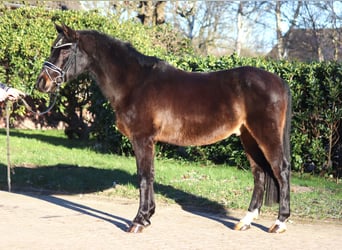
[271, 184]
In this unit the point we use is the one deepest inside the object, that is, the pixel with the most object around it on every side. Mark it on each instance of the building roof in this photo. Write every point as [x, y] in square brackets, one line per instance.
[311, 45]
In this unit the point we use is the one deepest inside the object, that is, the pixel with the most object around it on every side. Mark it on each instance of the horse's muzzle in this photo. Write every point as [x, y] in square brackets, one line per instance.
[43, 84]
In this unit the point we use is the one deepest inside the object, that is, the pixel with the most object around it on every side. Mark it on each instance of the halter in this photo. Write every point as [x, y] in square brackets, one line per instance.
[60, 78]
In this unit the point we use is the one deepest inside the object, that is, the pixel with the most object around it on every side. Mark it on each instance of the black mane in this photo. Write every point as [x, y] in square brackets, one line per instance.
[143, 60]
[126, 49]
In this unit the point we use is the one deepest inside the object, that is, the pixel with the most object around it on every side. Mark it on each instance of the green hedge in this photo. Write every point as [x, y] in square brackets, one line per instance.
[25, 38]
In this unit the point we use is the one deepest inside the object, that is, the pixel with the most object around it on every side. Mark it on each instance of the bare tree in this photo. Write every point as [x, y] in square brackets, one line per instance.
[239, 25]
[147, 12]
[249, 17]
[280, 40]
[151, 12]
[211, 26]
[243, 27]
[205, 23]
[334, 19]
[222, 27]
[311, 19]
[281, 46]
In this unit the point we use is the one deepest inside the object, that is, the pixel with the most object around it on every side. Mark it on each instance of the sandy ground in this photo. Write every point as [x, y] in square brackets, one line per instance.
[88, 222]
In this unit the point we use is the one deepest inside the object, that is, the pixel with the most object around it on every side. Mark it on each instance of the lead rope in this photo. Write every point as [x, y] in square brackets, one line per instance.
[9, 168]
[9, 106]
[51, 105]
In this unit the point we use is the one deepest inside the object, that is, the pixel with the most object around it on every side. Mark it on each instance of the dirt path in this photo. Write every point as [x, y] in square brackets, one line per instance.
[87, 222]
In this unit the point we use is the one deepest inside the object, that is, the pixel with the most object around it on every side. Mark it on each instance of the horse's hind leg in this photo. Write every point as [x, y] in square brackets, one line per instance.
[280, 166]
[257, 160]
[270, 143]
[144, 152]
[282, 174]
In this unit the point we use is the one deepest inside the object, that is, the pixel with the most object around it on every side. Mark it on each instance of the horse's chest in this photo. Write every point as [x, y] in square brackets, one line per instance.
[122, 127]
[133, 123]
[125, 122]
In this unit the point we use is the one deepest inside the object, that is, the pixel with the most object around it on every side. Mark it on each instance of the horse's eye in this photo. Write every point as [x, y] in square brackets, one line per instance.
[64, 52]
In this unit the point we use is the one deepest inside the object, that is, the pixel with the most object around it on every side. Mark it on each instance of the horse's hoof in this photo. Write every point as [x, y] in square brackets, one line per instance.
[135, 228]
[241, 226]
[277, 228]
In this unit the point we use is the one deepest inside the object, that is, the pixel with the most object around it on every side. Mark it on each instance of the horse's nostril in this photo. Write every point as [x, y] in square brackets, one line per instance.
[41, 84]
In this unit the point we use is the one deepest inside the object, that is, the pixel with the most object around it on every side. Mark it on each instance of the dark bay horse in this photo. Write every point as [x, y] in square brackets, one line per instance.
[154, 101]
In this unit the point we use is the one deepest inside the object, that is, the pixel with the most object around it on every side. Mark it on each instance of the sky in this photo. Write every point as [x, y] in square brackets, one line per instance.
[265, 34]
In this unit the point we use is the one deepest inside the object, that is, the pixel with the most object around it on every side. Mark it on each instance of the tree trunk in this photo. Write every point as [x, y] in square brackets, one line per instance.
[159, 13]
[280, 40]
[152, 14]
[239, 29]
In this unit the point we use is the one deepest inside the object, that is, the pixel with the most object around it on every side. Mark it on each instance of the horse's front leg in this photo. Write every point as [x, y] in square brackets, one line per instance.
[144, 153]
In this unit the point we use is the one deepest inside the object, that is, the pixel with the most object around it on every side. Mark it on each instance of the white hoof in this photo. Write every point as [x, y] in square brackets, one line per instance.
[278, 227]
[245, 222]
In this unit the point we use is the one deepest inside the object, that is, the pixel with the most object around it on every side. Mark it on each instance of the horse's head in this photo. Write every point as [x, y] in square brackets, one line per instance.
[67, 60]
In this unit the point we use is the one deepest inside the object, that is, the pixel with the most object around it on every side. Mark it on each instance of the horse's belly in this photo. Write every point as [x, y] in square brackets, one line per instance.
[196, 136]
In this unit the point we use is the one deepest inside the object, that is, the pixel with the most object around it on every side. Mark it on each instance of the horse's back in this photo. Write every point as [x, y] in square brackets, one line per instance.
[260, 87]
[202, 108]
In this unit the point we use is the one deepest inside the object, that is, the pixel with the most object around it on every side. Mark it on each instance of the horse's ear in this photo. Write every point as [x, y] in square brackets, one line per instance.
[59, 28]
[68, 32]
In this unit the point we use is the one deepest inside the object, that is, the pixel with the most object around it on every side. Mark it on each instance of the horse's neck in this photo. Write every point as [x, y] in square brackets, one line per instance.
[114, 80]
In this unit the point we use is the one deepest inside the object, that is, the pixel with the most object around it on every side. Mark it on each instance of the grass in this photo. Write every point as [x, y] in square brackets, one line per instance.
[47, 160]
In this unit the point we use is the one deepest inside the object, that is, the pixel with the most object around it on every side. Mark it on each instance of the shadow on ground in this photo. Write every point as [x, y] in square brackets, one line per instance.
[45, 181]
[54, 140]
[120, 222]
